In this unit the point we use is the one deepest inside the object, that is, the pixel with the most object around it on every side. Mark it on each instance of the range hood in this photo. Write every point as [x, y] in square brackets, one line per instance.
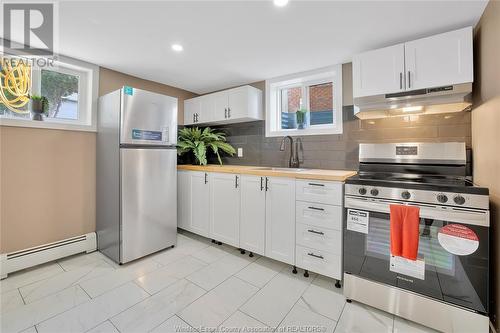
[445, 99]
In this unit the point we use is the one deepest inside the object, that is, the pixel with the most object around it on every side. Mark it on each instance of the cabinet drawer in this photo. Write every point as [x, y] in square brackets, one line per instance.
[321, 262]
[319, 238]
[319, 215]
[329, 193]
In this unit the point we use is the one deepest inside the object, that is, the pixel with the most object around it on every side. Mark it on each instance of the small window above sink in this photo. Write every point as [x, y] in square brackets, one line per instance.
[307, 103]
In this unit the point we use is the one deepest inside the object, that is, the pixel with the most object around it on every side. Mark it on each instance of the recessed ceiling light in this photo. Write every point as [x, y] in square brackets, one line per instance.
[280, 3]
[177, 47]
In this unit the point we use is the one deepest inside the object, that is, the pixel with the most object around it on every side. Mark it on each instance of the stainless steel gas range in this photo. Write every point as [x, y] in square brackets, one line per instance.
[447, 286]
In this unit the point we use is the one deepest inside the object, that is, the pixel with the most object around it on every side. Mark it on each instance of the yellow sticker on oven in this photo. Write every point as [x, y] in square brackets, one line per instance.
[458, 239]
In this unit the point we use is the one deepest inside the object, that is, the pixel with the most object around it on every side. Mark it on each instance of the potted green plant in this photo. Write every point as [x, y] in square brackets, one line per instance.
[197, 142]
[39, 106]
[302, 116]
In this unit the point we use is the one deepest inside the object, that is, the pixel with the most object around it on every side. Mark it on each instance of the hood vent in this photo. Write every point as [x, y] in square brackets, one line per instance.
[445, 99]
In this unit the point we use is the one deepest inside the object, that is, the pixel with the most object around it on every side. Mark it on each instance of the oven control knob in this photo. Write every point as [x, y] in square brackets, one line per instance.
[442, 198]
[406, 195]
[374, 192]
[362, 191]
[459, 200]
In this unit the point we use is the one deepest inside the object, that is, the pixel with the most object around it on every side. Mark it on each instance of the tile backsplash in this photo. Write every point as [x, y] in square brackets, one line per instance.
[340, 151]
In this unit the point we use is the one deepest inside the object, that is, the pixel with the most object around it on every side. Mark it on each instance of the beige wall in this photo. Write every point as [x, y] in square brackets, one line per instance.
[47, 186]
[110, 80]
[486, 129]
[47, 177]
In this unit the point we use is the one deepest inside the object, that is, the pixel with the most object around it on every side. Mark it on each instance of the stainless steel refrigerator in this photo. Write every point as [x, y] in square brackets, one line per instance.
[136, 173]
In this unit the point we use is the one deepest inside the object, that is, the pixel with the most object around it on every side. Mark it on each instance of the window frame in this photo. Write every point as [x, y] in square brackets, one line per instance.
[88, 89]
[305, 80]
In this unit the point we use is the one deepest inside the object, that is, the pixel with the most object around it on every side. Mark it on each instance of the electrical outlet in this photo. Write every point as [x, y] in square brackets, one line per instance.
[240, 152]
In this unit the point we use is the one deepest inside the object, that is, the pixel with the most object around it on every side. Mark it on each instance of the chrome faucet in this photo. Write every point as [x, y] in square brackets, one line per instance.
[293, 161]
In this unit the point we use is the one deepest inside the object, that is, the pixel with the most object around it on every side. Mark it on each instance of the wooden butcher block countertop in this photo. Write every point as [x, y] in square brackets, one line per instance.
[299, 173]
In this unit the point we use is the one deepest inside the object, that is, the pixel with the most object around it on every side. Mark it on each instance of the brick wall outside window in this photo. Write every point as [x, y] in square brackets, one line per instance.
[320, 97]
[294, 96]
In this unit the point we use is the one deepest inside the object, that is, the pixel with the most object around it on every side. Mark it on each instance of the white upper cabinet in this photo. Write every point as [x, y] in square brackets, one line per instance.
[191, 111]
[253, 214]
[225, 208]
[229, 106]
[207, 109]
[379, 71]
[439, 60]
[240, 103]
[221, 101]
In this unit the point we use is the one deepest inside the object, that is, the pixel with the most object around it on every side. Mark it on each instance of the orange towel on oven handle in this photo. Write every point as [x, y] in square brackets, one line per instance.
[405, 222]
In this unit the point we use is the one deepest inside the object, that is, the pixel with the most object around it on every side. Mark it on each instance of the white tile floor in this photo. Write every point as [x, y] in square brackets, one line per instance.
[195, 286]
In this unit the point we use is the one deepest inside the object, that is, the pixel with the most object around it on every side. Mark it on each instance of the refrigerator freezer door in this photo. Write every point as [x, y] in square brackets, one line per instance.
[148, 118]
[148, 201]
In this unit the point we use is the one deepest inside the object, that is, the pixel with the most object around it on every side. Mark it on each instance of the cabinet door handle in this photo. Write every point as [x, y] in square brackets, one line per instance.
[267, 184]
[236, 181]
[316, 208]
[194, 117]
[314, 184]
[261, 183]
[225, 113]
[409, 79]
[229, 112]
[206, 177]
[315, 255]
[315, 232]
[400, 80]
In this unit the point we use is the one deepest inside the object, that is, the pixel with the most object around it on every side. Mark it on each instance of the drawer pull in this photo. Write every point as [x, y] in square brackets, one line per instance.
[315, 255]
[316, 232]
[316, 208]
[315, 184]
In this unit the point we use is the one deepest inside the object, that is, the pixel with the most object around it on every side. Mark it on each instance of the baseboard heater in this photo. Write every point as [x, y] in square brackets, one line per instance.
[18, 260]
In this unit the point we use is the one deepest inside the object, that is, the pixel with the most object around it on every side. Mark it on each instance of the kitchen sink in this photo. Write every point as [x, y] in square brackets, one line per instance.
[281, 169]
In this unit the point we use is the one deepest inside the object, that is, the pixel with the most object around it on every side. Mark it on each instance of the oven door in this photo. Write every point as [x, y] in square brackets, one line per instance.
[449, 269]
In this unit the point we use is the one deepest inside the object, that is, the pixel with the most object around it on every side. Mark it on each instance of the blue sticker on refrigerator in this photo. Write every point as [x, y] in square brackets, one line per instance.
[138, 134]
[128, 90]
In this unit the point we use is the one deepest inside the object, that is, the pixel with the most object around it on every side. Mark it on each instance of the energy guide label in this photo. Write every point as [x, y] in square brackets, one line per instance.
[357, 220]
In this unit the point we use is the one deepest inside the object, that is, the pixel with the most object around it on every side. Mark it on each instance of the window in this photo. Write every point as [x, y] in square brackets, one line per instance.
[70, 87]
[305, 104]
[62, 92]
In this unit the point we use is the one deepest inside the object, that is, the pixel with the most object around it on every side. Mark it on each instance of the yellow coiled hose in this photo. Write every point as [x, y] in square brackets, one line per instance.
[15, 82]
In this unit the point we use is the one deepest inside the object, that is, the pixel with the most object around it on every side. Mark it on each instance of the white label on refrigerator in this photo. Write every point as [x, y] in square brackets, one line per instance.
[413, 268]
[166, 137]
[357, 220]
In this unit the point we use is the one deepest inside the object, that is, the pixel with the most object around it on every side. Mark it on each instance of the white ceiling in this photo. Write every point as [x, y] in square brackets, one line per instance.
[228, 43]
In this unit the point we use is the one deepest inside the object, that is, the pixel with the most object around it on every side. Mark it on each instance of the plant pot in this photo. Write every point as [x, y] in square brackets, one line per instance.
[303, 121]
[37, 110]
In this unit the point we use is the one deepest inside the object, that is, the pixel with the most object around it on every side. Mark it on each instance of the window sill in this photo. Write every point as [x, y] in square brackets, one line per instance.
[305, 132]
[46, 125]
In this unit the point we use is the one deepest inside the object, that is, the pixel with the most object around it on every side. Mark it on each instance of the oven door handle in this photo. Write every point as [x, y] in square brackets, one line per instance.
[459, 215]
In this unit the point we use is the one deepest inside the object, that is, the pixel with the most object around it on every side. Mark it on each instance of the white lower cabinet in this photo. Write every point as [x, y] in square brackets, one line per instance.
[298, 222]
[319, 261]
[253, 214]
[319, 238]
[319, 214]
[193, 202]
[183, 199]
[280, 219]
[200, 203]
[225, 208]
